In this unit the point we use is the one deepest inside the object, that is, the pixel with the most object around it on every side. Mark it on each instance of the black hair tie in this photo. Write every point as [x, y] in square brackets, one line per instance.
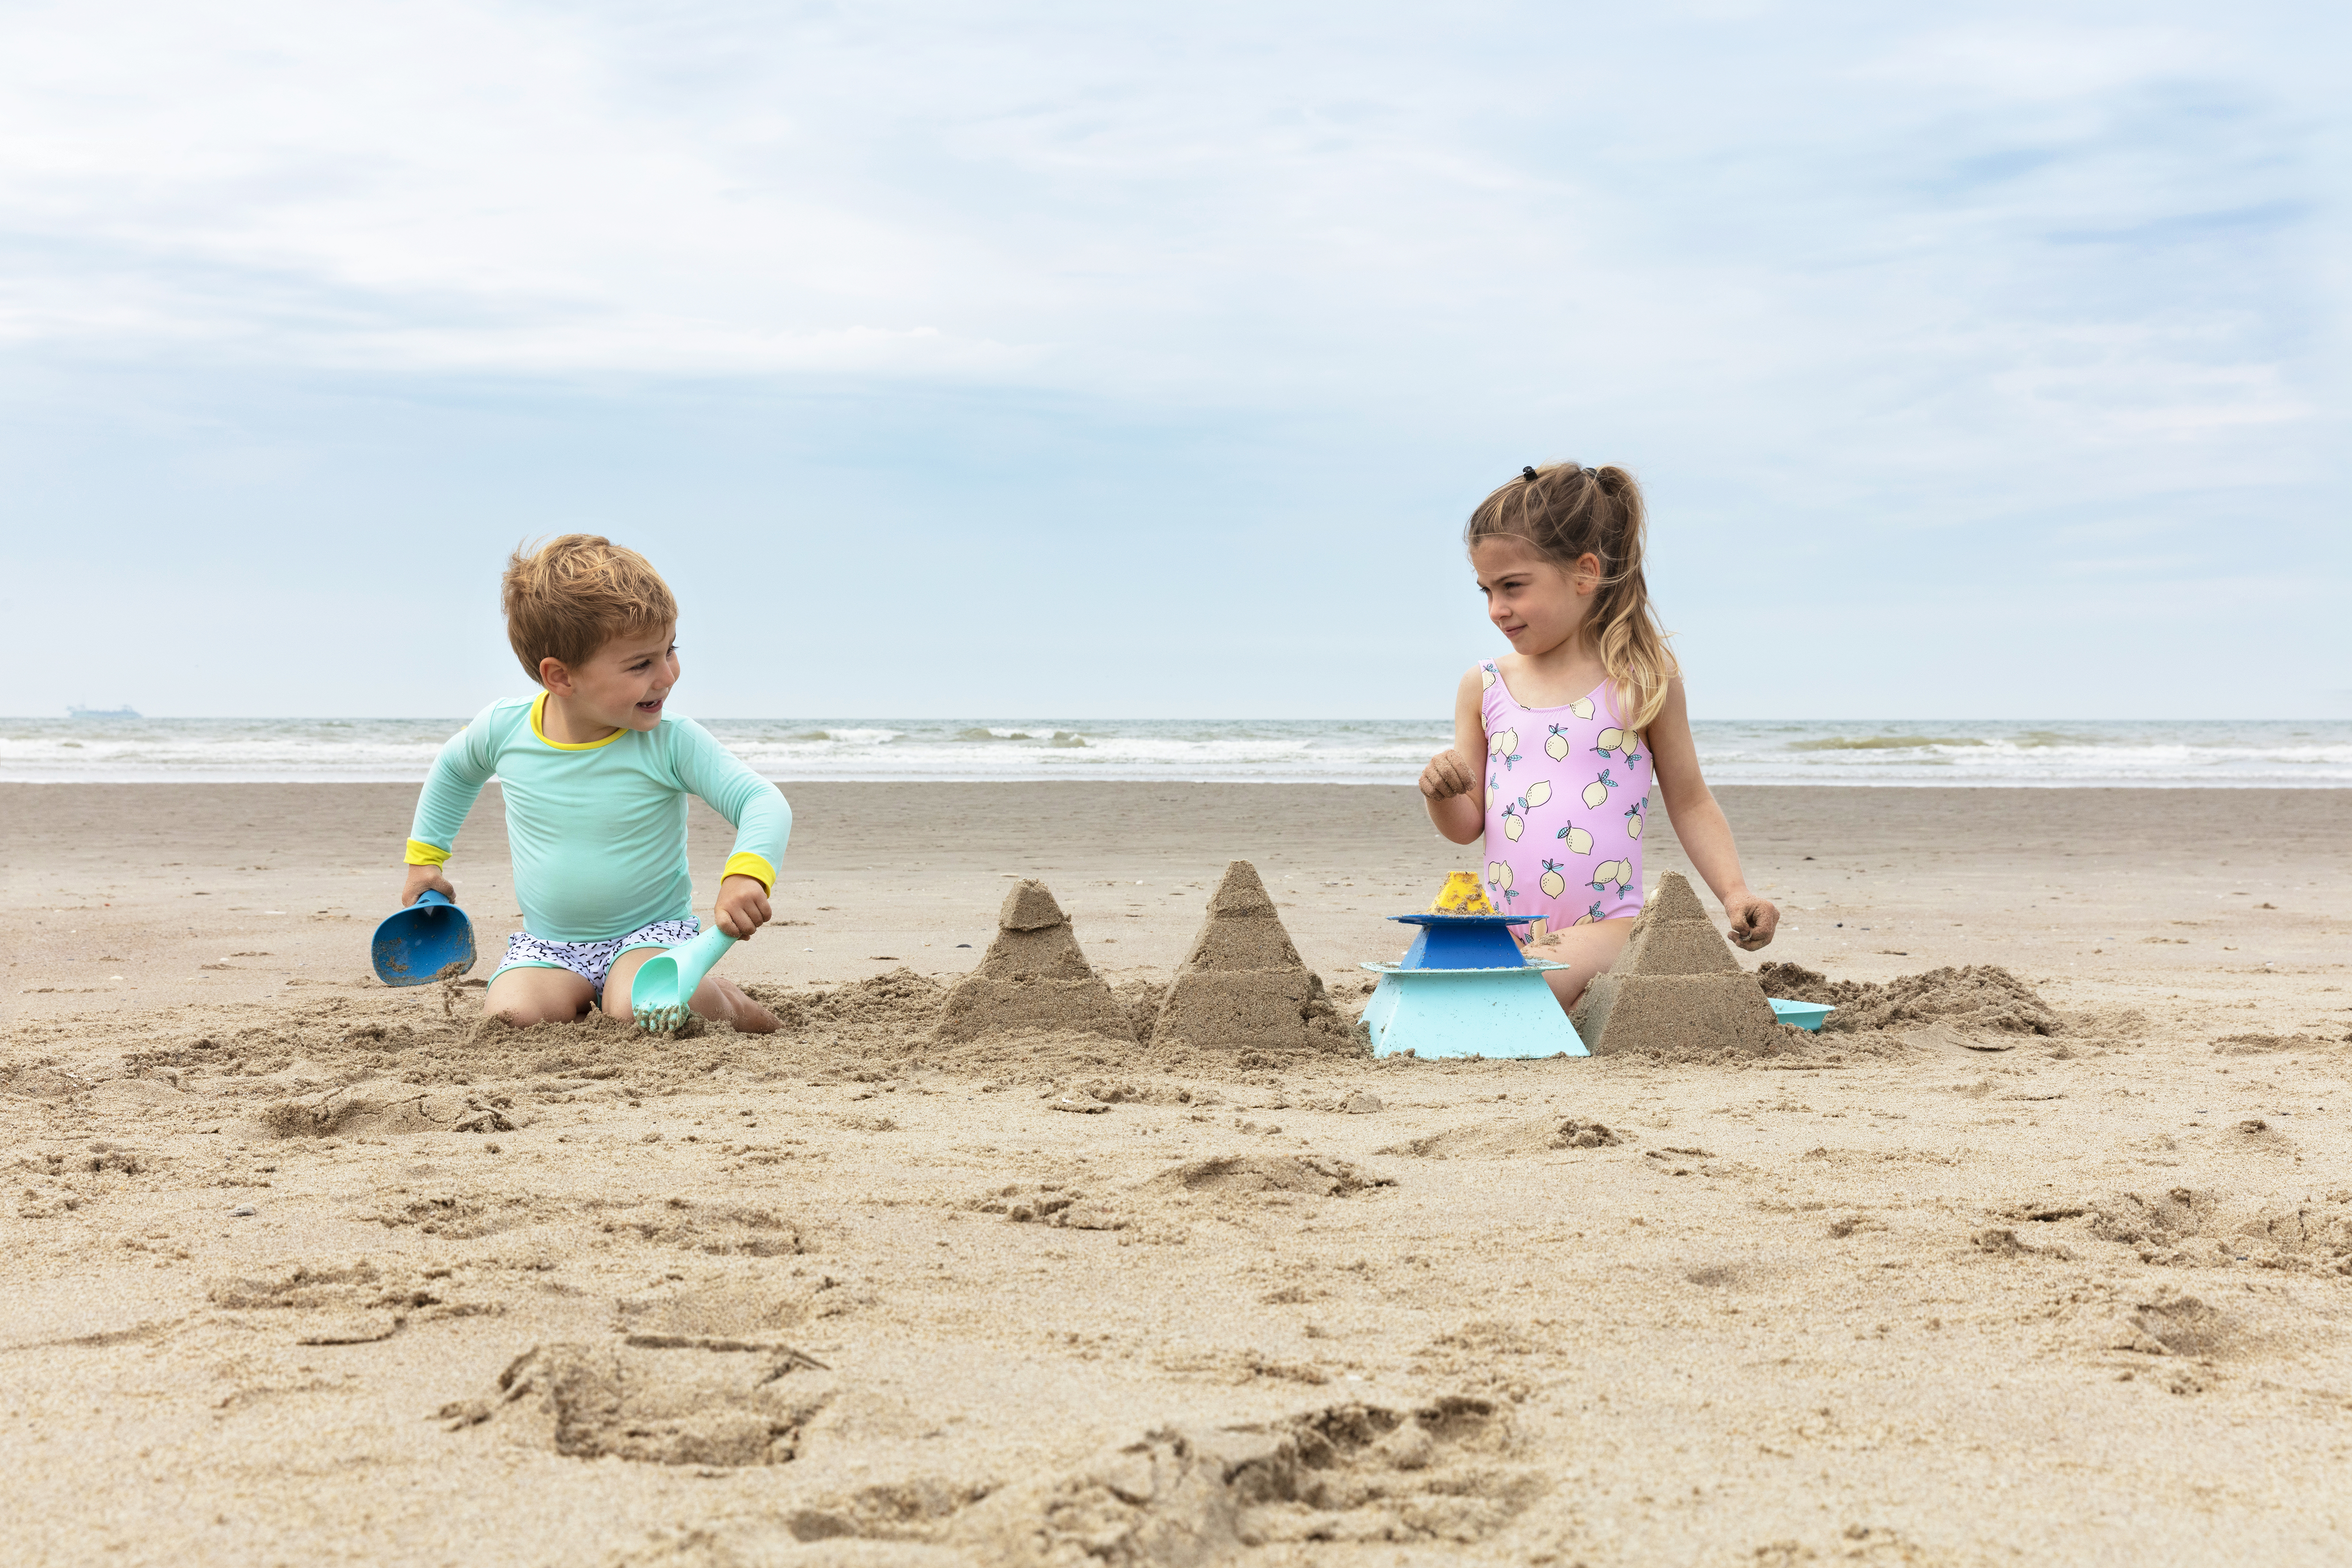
[1528, 473]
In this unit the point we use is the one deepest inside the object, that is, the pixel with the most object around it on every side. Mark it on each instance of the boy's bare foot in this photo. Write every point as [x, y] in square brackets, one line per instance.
[728, 1002]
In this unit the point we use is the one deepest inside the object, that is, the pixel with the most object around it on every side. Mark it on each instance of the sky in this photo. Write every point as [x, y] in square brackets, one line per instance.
[1056, 360]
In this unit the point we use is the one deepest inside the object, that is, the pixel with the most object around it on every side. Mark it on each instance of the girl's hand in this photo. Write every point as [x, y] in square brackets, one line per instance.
[1753, 921]
[1447, 776]
[743, 907]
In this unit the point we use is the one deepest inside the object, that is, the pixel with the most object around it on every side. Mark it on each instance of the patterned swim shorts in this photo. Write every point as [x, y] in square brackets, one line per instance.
[591, 960]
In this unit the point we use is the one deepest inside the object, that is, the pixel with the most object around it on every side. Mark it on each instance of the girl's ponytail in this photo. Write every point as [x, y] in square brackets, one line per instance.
[1568, 512]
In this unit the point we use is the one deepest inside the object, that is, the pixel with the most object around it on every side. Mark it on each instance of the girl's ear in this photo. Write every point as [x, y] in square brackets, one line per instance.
[1586, 577]
[555, 676]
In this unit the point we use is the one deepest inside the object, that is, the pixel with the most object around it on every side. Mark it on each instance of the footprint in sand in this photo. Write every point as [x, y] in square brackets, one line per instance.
[662, 1400]
[1444, 1473]
[1049, 1203]
[1242, 1174]
[1487, 1141]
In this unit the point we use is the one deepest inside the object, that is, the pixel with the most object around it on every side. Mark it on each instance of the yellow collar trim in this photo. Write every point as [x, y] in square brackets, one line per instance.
[539, 710]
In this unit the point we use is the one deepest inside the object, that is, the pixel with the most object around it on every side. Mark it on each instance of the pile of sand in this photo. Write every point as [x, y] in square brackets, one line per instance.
[1243, 984]
[1983, 996]
[2259, 1044]
[1033, 978]
[1676, 989]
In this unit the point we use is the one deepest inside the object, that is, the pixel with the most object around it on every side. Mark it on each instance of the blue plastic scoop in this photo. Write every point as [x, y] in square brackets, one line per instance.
[416, 946]
[665, 983]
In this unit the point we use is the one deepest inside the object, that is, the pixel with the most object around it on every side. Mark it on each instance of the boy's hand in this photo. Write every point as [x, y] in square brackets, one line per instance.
[1446, 776]
[742, 906]
[1753, 921]
[426, 879]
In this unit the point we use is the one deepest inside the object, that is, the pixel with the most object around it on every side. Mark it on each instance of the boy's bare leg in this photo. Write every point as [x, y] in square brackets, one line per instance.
[1586, 951]
[527, 996]
[717, 998]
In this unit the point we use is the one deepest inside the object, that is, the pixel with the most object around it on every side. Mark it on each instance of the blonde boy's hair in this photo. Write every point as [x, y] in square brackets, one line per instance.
[1566, 511]
[568, 597]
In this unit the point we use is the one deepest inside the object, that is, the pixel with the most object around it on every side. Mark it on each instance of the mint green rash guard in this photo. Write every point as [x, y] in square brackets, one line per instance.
[598, 831]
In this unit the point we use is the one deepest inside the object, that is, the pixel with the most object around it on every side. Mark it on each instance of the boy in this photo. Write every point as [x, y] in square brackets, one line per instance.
[595, 780]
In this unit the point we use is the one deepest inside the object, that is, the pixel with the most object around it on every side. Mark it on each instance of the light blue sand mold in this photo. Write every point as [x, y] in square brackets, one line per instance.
[1506, 1013]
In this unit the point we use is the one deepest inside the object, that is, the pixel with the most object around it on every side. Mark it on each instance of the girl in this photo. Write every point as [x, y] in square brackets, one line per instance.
[1555, 742]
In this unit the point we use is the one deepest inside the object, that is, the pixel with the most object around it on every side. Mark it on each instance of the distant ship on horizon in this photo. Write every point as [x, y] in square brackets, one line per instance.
[76, 711]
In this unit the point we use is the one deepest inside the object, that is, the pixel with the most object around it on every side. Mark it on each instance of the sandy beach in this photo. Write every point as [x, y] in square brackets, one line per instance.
[308, 1269]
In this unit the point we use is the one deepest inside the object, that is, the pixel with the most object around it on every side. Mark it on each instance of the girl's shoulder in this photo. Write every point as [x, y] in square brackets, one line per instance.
[1477, 684]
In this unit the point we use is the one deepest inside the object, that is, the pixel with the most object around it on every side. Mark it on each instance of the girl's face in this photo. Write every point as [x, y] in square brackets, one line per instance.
[1535, 603]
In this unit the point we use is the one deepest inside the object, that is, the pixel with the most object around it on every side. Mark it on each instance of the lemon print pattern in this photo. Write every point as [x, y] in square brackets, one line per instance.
[1547, 856]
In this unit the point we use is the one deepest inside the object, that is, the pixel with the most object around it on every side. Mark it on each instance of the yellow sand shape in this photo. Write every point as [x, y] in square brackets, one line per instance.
[1462, 895]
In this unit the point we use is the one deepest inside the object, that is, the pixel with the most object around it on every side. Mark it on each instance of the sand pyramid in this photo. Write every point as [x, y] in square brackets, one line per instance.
[1676, 987]
[1243, 984]
[1034, 977]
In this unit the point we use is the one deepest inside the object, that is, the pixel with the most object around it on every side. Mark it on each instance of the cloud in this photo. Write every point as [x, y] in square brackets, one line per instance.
[1857, 277]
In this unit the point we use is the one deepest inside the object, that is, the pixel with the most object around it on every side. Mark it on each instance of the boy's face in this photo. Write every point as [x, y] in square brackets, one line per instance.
[623, 684]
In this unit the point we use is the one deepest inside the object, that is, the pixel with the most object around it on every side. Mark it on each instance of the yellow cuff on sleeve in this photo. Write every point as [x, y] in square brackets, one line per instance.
[423, 854]
[745, 864]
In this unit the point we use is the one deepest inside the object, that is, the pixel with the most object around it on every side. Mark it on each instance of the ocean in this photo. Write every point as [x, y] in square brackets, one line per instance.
[2270, 754]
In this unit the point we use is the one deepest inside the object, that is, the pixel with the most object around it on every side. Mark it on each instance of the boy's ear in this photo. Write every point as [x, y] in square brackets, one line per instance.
[555, 676]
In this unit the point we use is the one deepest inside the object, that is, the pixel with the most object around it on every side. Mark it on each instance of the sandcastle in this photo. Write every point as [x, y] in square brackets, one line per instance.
[1243, 982]
[1032, 977]
[1676, 986]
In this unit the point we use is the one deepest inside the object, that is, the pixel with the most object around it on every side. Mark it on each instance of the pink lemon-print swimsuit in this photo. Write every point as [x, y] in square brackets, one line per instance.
[1566, 790]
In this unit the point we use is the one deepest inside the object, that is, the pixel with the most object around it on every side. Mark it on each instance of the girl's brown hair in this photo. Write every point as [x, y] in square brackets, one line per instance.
[571, 594]
[1566, 512]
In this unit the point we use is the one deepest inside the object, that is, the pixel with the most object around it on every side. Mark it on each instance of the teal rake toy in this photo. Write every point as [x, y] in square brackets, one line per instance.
[665, 983]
